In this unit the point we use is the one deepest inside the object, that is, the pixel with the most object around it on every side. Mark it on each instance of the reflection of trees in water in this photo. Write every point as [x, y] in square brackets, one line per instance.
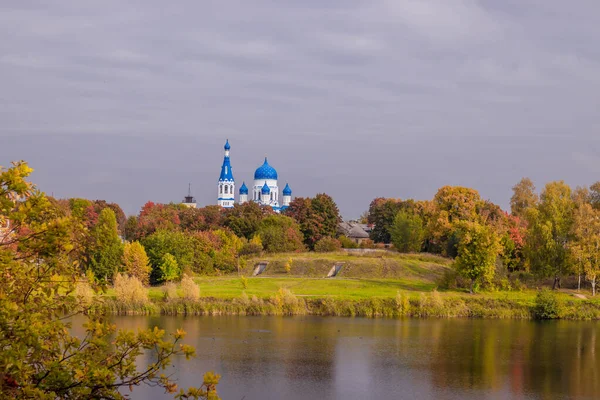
[473, 358]
[550, 359]
[262, 346]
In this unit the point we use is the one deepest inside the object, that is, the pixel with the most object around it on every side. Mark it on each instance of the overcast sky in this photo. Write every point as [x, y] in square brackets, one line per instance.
[129, 101]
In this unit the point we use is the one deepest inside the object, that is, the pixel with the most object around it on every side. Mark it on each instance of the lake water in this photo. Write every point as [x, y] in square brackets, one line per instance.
[357, 358]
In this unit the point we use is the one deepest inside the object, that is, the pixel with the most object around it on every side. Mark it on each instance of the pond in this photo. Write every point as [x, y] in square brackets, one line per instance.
[357, 358]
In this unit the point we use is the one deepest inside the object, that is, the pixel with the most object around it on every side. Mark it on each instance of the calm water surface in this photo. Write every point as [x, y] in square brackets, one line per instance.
[355, 358]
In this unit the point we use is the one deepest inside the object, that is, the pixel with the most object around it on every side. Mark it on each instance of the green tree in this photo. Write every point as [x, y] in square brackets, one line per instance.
[106, 249]
[180, 245]
[136, 262]
[39, 358]
[381, 215]
[280, 234]
[549, 231]
[244, 219]
[130, 231]
[523, 198]
[407, 232]
[478, 248]
[169, 269]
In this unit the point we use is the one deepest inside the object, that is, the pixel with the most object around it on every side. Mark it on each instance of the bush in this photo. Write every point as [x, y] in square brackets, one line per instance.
[367, 244]
[170, 291]
[347, 243]
[327, 244]
[84, 294]
[130, 290]
[402, 304]
[547, 305]
[251, 248]
[244, 281]
[287, 302]
[190, 289]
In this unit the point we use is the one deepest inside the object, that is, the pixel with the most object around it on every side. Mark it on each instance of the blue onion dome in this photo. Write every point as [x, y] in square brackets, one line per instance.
[286, 190]
[265, 171]
[244, 188]
[265, 189]
[227, 145]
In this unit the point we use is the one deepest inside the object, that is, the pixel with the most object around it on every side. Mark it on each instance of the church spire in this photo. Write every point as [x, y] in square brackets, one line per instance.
[226, 185]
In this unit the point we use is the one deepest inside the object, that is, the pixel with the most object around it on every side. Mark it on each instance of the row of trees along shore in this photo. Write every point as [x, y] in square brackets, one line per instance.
[553, 234]
[550, 235]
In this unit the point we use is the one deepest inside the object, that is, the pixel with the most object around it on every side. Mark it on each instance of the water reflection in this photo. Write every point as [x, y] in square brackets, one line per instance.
[344, 358]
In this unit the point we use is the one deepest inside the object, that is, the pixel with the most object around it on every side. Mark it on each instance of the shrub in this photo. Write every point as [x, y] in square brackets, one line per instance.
[288, 265]
[251, 248]
[367, 244]
[347, 243]
[170, 291]
[190, 289]
[547, 305]
[286, 301]
[402, 304]
[244, 281]
[327, 244]
[84, 294]
[130, 290]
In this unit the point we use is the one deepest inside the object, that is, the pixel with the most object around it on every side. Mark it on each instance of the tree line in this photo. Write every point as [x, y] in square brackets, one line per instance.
[165, 241]
[551, 234]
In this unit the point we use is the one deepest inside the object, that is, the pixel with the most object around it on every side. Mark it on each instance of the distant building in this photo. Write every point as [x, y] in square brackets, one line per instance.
[265, 190]
[355, 231]
[189, 200]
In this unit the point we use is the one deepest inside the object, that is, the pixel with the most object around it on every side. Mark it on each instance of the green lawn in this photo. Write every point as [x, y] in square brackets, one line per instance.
[230, 287]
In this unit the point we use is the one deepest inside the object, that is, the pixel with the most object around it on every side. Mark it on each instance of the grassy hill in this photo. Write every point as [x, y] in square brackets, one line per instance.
[375, 264]
[374, 274]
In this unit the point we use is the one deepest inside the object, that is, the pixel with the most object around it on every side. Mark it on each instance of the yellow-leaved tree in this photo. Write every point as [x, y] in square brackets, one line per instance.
[136, 262]
[39, 358]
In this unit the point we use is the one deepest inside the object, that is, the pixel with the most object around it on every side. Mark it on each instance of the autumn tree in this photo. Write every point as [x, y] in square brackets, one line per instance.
[523, 198]
[201, 219]
[317, 217]
[586, 242]
[451, 205]
[595, 195]
[549, 231]
[135, 261]
[407, 232]
[154, 217]
[478, 248]
[40, 359]
[106, 248]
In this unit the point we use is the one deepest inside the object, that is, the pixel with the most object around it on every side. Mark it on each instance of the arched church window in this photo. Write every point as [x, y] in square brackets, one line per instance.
[220, 189]
[226, 189]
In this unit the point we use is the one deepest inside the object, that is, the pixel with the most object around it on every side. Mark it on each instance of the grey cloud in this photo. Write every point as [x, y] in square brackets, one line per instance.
[130, 101]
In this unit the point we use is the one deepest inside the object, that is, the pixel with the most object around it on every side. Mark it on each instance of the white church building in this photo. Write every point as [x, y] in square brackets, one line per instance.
[265, 189]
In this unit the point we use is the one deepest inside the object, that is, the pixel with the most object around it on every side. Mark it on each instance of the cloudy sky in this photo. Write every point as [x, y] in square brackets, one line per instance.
[130, 101]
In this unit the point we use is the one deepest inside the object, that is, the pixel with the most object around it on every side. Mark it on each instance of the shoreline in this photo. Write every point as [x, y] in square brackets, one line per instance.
[412, 305]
